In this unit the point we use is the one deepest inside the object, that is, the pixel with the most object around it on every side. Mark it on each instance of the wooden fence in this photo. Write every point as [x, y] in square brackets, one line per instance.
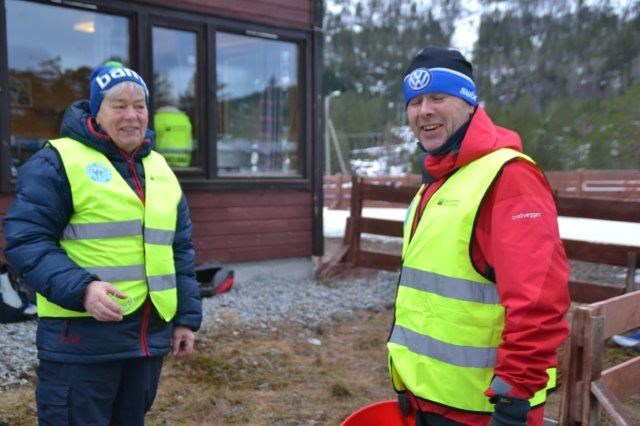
[351, 254]
[337, 189]
[622, 184]
[585, 387]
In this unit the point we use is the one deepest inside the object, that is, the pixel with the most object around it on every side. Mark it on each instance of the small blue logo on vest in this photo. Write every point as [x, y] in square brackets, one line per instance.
[98, 173]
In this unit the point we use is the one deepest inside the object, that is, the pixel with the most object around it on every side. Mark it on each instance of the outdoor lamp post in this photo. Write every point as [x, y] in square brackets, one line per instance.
[328, 124]
[330, 132]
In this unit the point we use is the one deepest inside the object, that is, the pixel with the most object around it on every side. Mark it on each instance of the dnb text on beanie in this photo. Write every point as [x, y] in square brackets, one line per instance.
[105, 77]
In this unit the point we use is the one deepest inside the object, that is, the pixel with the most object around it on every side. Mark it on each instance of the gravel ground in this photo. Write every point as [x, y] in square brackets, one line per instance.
[263, 303]
[260, 304]
[18, 353]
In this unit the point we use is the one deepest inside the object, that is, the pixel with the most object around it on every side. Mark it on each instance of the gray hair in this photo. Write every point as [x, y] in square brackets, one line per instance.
[125, 86]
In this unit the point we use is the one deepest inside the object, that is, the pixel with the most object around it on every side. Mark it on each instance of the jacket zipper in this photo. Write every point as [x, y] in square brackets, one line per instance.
[129, 158]
[146, 313]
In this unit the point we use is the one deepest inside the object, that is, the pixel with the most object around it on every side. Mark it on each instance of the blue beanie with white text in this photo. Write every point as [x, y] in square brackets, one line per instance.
[105, 77]
[438, 70]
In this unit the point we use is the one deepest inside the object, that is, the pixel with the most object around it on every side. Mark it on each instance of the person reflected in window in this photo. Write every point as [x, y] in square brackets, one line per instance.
[173, 135]
[101, 230]
[482, 297]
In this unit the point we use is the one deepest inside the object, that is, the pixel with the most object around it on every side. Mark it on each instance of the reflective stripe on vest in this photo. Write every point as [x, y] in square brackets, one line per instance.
[106, 235]
[448, 320]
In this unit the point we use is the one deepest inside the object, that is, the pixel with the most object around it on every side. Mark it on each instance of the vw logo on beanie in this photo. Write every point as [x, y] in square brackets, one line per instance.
[438, 70]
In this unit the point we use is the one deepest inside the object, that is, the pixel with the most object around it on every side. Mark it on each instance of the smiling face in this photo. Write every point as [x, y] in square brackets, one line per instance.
[434, 117]
[123, 115]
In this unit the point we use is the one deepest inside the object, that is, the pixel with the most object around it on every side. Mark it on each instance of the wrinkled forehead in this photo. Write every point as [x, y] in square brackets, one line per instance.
[126, 91]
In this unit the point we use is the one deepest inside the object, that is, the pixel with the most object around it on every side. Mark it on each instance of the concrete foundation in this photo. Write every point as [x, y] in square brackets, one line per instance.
[299, 267]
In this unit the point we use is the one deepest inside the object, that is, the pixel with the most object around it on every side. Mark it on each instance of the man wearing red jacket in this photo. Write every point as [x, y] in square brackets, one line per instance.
[481, 301]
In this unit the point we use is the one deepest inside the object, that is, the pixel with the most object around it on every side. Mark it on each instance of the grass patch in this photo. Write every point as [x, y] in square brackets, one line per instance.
[338, 390]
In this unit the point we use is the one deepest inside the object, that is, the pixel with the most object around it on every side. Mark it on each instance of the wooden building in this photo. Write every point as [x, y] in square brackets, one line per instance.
[245, 73]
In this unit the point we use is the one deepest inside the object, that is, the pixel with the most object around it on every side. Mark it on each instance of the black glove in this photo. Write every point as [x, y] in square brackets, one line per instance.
[509, 411]
[404, 404]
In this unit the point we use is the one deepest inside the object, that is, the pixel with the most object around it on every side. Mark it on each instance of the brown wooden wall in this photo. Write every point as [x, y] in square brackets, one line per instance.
[231, 226]
[287, 13]
[242, 226]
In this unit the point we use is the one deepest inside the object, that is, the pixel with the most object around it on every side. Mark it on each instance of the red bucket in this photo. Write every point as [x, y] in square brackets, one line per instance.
[383, 413]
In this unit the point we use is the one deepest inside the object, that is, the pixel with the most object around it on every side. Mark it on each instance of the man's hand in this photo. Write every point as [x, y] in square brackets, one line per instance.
[509, 411]
[98, 303]
[183, 339]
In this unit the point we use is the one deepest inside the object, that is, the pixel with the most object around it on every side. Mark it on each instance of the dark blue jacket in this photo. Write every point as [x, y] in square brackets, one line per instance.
[33, 226]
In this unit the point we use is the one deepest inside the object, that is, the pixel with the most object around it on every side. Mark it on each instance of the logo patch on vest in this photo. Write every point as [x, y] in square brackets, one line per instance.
[448, 202]
[98, 173]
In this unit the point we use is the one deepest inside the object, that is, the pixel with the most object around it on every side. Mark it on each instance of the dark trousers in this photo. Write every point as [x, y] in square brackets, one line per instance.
[100, 394]
[431, 419]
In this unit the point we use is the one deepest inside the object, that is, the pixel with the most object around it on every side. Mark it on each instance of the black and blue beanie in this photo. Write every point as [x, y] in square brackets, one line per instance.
[105, 77]
[438, 70]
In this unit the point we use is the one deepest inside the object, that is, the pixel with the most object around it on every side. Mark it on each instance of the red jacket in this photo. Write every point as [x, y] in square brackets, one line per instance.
[516, 237]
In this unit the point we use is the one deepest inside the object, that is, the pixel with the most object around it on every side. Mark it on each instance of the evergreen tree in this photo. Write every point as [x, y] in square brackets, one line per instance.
[565, 75]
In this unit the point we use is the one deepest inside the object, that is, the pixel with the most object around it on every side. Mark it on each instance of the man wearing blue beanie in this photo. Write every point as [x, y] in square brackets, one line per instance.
[481, 301]
[101, 231]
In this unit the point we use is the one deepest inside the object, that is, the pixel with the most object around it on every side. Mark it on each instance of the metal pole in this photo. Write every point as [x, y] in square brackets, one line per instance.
[334, 136]
[327, 145]
[330, 132]
[328, 125]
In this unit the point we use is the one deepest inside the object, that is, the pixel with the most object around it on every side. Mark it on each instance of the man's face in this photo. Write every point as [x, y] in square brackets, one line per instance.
[124, 117]
[434, 117]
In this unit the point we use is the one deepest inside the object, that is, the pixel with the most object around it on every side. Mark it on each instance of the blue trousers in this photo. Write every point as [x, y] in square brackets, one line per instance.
[101, 394]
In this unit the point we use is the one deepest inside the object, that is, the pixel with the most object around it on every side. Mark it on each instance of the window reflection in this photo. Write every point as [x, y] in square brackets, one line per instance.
[257, 105]
[52, 51]
[174, 95]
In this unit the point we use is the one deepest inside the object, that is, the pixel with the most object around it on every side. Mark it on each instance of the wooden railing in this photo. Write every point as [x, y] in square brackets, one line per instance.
[593, 208]
[624, 184]
[620, 184]
[337, 188]
[350, 254]
[609, 254]
[585, 386]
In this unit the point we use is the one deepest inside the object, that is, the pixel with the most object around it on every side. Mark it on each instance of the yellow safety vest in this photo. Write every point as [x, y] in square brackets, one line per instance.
[173, 137]
[448, 318]
[113, 235]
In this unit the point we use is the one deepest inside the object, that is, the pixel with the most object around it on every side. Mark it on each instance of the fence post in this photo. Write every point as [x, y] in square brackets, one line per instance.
[356, 214]
[593, 337]
[570, 401]
[337, 201]
[630, 280]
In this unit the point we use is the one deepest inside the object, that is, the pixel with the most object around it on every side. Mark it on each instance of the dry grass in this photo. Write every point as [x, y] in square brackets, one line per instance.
[278, 378]
[17, 406]
[244, 377]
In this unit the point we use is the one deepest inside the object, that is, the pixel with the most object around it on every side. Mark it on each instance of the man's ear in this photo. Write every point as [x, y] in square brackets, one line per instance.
[470, 109]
